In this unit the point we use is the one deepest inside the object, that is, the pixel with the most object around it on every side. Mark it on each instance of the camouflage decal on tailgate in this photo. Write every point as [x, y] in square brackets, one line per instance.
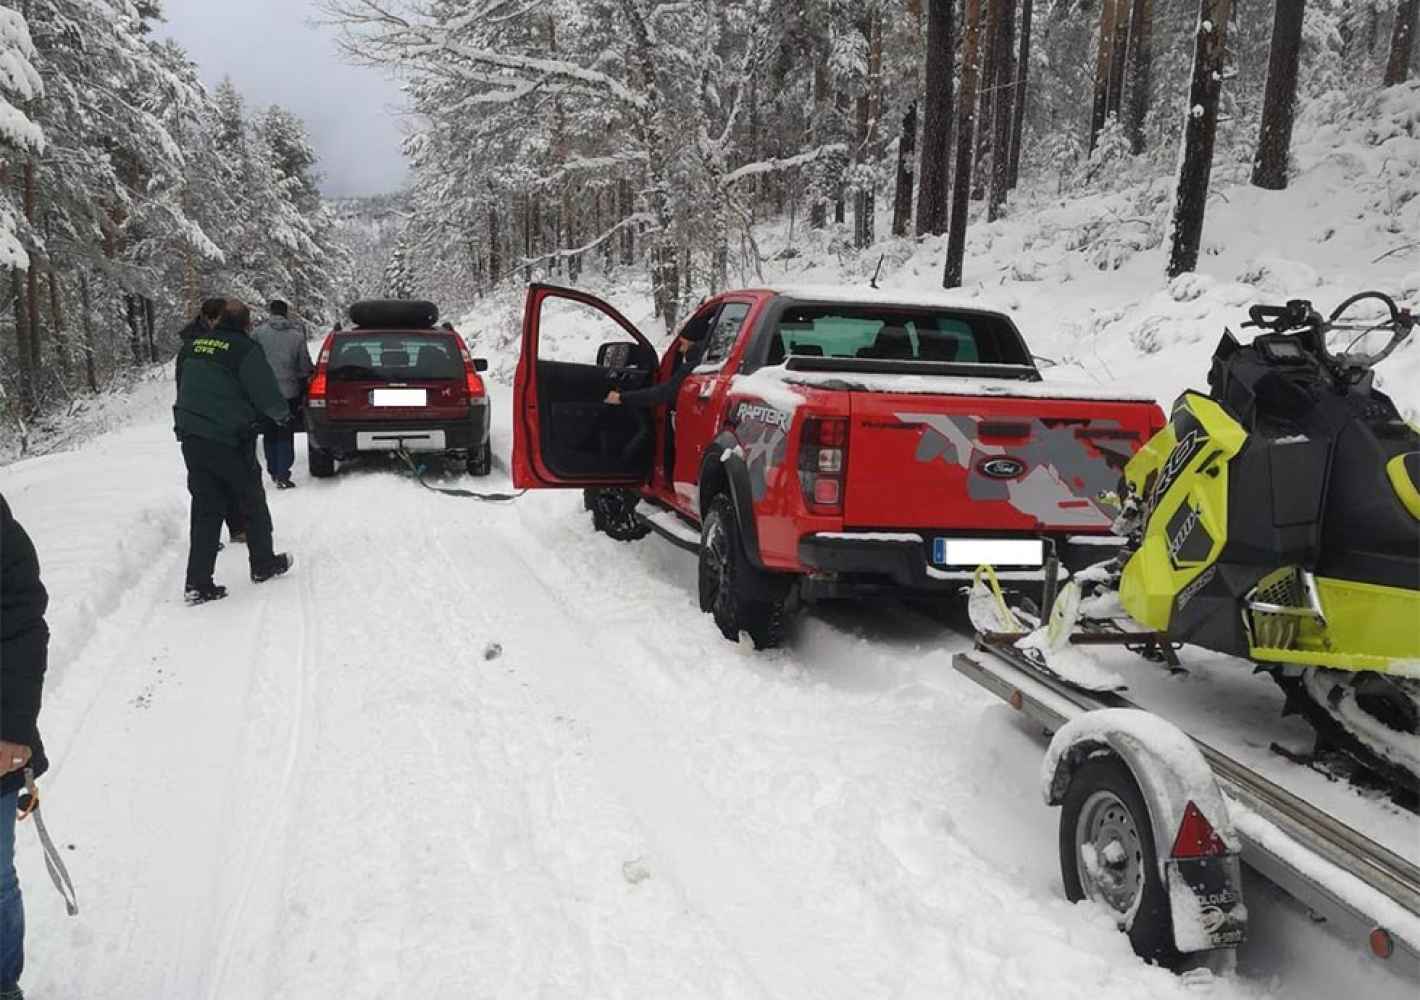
[763, 434]
[1061, 475]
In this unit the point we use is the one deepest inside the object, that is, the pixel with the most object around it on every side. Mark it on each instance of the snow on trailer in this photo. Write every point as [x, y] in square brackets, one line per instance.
[1267, 811]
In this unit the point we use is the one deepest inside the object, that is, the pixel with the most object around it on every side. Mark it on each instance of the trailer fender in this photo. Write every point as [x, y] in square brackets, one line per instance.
[724, 469]
[1205, 892]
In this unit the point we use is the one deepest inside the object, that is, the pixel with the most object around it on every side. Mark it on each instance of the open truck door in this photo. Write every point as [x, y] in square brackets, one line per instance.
[575, 350]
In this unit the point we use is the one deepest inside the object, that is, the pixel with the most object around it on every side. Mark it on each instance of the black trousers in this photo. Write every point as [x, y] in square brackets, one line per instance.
[224, 479]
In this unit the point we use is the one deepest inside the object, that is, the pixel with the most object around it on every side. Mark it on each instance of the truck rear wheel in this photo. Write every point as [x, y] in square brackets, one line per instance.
[740, 597]
[1107, 855]
[480, 461]
[320, 461]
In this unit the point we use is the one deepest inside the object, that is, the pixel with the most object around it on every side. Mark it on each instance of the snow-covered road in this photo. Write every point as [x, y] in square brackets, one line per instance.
[478, 751]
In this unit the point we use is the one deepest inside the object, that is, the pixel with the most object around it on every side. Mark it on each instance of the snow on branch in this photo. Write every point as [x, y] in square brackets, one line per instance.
[787, 163]
[641, 218]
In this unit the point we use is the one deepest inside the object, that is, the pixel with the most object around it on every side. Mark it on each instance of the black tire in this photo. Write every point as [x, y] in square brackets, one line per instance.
[614, 514]
[480, 462]
[740, 597]
[1105, 784]
[320, 461]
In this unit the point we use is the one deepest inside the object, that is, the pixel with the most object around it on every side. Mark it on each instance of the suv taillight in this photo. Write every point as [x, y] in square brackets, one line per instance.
[823, 463]
[316, 391]
[472, 381]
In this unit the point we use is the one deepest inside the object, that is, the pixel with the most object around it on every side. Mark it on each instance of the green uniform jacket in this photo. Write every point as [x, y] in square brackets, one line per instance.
[226, 389]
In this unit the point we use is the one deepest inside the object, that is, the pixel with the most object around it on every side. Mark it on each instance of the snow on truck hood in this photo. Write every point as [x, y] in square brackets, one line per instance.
[775, 385]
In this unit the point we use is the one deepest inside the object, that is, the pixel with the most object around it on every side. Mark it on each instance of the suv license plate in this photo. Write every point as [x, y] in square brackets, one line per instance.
[399, 397]
[972, 552]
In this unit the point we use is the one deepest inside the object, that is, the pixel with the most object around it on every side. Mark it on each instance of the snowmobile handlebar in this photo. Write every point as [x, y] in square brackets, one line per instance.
[1299, 316]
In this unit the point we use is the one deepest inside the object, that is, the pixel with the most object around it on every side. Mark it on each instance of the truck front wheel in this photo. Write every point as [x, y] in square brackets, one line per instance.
[740, 597]
[1107, 855]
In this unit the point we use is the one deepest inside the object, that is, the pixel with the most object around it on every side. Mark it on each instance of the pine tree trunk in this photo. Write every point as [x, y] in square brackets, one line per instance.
[56, 324]
[23, 362]
[1200, 130]
[840, 101]
[860, 193]
[32, 281]
[1141, 70]
[1118, 56]
[628, 235]
[906, 156]
[991, 51]
[818, 214]
[87, 325]
[937, 121]
[966, 148]
[1269, 167]
[135, 344]
[149, 324]
[873, 139]
[1402, 40]
[1104, 62]
[1019, 118]
[495, 260]
[1005, 110]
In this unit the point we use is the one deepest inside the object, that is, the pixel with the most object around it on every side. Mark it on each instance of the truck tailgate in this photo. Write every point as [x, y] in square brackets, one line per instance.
[994, 463]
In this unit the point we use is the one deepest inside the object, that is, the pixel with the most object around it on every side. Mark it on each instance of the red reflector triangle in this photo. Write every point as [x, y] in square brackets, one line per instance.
[1196, 836]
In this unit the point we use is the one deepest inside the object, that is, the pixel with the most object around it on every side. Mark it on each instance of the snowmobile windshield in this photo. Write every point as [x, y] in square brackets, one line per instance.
[892, 333]
[395, 357]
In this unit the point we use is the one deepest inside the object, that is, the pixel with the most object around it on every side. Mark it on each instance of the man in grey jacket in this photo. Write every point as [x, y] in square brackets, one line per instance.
[284, 343]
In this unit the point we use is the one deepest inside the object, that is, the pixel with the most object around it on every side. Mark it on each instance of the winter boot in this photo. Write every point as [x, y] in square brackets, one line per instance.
[285, 484]
[11, 993]
[201, 594]
[279, 565]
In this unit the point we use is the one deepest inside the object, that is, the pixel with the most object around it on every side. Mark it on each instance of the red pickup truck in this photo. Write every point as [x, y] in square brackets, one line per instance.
[832, 442]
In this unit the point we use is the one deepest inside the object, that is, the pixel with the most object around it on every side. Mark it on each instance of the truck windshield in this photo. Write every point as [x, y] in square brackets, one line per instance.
[897, 334]
[397, 357]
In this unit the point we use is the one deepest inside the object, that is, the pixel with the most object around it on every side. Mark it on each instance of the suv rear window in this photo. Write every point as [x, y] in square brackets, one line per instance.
[396, 357]
[895, 334]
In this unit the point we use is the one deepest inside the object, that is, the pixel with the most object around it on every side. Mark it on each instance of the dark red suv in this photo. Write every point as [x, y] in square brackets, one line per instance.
[396, 380]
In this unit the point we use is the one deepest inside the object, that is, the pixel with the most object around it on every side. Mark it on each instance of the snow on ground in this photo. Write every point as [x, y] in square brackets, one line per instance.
[469, 750]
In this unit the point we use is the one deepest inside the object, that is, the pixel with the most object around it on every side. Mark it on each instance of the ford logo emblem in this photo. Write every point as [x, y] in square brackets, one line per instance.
[1001, 468]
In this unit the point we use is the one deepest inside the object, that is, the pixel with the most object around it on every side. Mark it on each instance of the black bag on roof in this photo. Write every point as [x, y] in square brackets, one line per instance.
[395, 314]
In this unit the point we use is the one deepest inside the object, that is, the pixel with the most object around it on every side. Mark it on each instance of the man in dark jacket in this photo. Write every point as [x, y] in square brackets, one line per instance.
[24, 648]
[226, 391]
[690, 345]
[204, 321]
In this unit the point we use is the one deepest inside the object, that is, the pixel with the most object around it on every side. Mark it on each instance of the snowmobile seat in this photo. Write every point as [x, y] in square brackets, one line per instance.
[1404, 474]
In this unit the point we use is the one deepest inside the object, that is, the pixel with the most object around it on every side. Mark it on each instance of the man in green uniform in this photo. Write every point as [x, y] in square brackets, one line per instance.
[226, 394]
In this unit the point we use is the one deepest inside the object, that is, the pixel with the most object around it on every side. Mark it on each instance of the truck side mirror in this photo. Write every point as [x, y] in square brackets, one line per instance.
[614, 354]
[480, 364]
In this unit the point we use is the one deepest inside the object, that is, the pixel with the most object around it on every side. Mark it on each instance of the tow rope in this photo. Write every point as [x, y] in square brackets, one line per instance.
[418, 472]
[58, 874]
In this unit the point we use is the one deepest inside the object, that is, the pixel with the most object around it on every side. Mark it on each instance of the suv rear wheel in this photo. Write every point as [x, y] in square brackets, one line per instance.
[480, 462]
[321, 462]
[740, 597]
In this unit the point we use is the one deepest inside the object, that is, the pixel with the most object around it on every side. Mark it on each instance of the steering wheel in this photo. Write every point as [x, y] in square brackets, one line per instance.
[1399, 321]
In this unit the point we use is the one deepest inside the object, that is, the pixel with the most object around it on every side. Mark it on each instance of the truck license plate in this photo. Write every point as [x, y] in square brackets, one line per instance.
[399, 397]
[992, 551]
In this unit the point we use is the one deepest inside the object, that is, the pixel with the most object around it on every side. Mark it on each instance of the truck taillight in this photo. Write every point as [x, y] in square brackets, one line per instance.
[316, 391]
[823, 462]
[1196, 837]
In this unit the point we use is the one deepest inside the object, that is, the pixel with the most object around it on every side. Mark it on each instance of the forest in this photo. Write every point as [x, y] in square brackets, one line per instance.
[563, 137]
[129, 192]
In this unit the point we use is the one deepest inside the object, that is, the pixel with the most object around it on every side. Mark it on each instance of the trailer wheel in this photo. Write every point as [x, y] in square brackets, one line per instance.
[1107, 855]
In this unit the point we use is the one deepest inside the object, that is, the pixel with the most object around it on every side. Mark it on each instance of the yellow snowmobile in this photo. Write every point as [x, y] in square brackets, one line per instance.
[1277, 519]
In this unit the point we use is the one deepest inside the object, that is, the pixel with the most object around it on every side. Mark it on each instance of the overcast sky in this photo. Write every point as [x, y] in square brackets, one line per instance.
[274, 55]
